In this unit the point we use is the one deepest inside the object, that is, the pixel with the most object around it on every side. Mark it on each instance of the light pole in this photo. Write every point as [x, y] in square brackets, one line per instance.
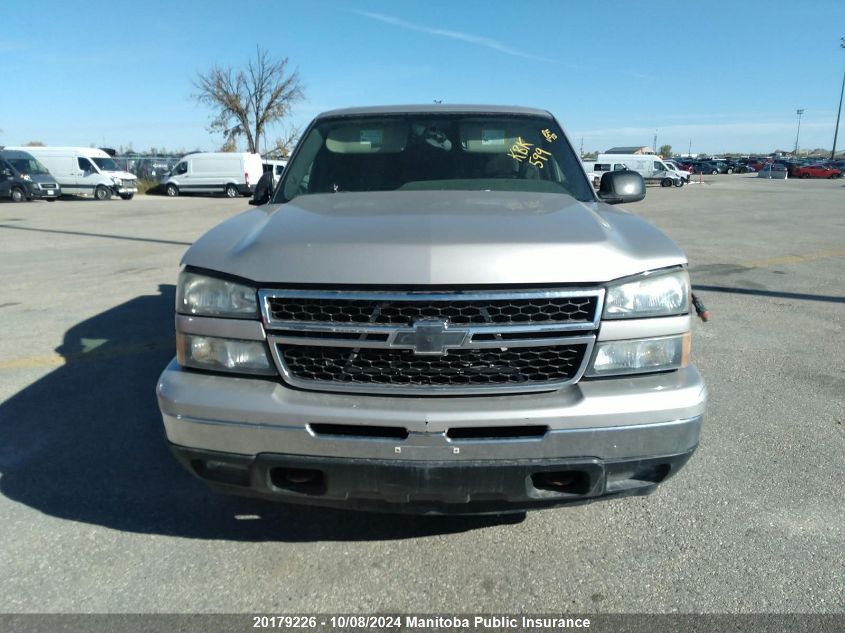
[839, 113]
[799, 112]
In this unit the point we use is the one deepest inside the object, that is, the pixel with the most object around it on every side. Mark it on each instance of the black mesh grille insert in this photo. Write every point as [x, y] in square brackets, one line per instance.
[458, 368]
[519, 311]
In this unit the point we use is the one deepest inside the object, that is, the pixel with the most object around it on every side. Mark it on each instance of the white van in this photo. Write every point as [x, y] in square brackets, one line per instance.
[650, 167]
[85, 170]
[232, 173]
[277, 167]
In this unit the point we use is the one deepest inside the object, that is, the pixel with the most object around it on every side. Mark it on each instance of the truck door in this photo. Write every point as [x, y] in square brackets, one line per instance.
[87, 176]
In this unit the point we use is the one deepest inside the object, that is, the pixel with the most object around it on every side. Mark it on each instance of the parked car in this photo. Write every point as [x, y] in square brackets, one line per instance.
[650, 167]
[231, 173]
[816, 171]
[13, 187]
[773, 170]
[85, 170]
[706, 167]
[329, 342]
[676, 167]
[20, 168]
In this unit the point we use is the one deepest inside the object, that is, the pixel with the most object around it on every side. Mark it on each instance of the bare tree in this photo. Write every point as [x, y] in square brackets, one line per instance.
[248, 99]
[283, 145]
[34, 144]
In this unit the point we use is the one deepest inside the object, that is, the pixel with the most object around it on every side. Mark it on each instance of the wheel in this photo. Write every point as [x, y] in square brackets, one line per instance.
[666, 182]
[730, 170]
[232, 191]
[715, 172]
[102, 193]
[50, 199]
[172, 190]
[127, 196]
[805, 175]
[18, 195]
[679, 182]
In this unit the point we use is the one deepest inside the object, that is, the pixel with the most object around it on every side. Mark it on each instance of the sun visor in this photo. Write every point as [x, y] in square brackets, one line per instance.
[492, 136]
[363, 137]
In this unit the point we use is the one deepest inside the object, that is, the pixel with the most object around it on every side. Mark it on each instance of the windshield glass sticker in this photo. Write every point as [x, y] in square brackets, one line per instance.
[492, 137]
[548, 135]
[539, 157]
[372, 137]
[519, 151]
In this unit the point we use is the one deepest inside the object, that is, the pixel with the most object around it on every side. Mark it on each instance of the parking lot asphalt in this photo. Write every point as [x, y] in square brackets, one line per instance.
[97, 516]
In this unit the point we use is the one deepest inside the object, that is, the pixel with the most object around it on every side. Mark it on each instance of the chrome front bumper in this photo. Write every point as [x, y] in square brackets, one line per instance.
[597, 438]
[607, 419]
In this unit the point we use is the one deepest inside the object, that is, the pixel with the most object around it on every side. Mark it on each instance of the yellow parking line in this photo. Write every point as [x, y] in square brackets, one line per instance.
[56, 360]
[794, 259]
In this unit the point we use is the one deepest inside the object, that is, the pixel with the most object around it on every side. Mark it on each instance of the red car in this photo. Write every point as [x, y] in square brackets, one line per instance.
[816, 171]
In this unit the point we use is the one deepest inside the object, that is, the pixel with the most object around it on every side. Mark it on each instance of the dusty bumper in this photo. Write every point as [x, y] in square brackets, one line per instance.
[428, 487]
[612, 436]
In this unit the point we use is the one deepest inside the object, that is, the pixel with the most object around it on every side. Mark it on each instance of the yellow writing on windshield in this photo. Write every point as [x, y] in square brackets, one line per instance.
[539, 157]
[519, 151]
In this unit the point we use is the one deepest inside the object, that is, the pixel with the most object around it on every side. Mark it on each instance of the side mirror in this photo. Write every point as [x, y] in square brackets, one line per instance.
[7, 173]
[621, 187]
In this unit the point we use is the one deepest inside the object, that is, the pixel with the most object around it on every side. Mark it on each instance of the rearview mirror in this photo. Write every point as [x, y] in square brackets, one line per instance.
[621, 187]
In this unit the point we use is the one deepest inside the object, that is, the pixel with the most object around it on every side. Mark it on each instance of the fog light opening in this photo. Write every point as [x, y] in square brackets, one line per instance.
[302, 480]
[574, 482]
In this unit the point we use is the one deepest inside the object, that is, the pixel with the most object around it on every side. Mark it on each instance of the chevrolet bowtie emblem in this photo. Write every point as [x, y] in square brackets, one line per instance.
[429, 338]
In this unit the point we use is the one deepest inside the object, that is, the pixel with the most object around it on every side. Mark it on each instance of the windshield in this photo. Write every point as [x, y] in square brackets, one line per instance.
[28, 166]
[435, 152]
[106, 164]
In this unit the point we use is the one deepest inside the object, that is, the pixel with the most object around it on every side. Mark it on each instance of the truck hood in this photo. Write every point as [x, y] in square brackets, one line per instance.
[434, 238]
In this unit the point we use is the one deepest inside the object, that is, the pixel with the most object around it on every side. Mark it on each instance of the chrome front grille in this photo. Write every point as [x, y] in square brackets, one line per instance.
[522, 366]
[431, 343]
[478, 311]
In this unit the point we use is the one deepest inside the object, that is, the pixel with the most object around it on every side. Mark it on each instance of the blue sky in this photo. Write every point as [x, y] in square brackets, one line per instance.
[726, 75]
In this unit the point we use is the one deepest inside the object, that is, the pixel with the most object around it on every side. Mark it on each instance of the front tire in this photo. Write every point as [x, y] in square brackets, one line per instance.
[127, 196]
[172, 190]
[102, 193]
[17, 195]
[232, 191]
[715, 172]
[679, 182]
[729, 171]
[666, 182]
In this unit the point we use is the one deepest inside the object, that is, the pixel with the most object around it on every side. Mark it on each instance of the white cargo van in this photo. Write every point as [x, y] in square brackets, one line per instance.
[232, 173]
[650, 167]
[277, 167]
[85, 170]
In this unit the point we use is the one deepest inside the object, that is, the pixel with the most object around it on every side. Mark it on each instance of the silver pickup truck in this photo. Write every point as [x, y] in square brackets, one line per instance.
[436, 313]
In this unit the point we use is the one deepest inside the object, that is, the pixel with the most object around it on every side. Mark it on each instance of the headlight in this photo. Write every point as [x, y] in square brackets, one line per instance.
[658, 294]
[640, 356]
[221, 354]
[116, 180]
[209, 296]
